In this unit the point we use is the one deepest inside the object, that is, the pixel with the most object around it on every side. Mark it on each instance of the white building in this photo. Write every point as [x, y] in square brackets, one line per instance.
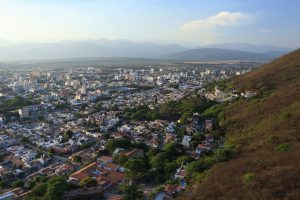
[186, 140]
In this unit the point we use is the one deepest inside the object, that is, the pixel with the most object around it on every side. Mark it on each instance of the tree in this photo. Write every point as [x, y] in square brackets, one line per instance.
[136, 168]
[105, 136]
[18, 183]
[120, 159]
[88, 182]
[68, 134]
[174, 150]
[184, 117]
[111, 145]
[197, 138]
[56, 187]
[171, 167]
[24, 140]
[184, 160]
[77, 159]
[152, 152]
[181, 132]
[200, 165]
[39, 190]
[159, 160]
[131, 192]
[2, 185]
[41, 179]
[98, 106]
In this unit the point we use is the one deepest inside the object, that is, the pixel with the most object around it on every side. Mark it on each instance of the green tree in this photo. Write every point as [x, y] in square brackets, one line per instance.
[56, 187]
[120, 159]
[18, 183]
[39, 190]
[111, 145]
[171, 167]
[197, 138]
[174, 150]
[77, 159]
[184, 160]
[131, 192]
[68, 134]
[152, 152]
[136, 168]
[2, 185]
[159, 160]
[88, 182]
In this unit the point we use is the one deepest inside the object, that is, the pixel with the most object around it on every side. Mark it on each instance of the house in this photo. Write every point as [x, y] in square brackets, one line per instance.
[2, 119]
[169, 137]
[208, 125]
[125, 128]
[64, 169]
[202, 148]
[119, 134]
[105, 159]
[30, 111]
[171, 128]
[180, 173]
[172, 189]
[103, 173]
[248, 94]
[115, 197]
[153, 142]
[119, 151]
[186, 140]
[135, 153]
[13, 194]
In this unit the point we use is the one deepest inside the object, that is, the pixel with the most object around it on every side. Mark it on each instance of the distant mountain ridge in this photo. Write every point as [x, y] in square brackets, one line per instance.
[264, 49]
[215, 54]
[104, 48]
[85, 49]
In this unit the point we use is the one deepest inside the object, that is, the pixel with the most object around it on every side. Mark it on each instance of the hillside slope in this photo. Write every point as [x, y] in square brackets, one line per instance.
[265, 132]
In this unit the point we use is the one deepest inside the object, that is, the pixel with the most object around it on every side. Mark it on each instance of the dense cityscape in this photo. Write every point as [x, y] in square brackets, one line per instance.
[109, 127]
[149, 100]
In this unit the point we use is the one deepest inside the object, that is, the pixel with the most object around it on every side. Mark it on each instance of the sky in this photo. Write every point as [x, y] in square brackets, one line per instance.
[184, 22]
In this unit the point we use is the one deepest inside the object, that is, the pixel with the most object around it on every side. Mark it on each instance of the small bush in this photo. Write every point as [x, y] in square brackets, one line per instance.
[272, 139]
[248, 178]
[283, 147]
[286, 115]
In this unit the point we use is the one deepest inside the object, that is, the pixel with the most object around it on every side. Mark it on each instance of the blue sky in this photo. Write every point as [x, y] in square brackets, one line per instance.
[185, 22]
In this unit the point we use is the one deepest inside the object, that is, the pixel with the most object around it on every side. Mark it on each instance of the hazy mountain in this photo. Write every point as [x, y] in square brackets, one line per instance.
[270, 49]
[82, 49]
[215, 54]
[125, 48]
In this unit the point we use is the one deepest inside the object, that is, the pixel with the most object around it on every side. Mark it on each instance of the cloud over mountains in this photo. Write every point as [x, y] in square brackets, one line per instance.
[221, 19]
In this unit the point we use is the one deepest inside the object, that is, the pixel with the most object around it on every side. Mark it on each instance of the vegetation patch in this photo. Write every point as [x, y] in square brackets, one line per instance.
[248, 178]
[283, 147]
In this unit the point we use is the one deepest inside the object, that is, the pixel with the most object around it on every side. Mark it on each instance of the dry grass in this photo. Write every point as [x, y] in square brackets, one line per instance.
[266, 129]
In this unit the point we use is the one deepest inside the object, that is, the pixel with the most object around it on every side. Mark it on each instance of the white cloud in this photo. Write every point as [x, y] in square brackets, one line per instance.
[219, 20]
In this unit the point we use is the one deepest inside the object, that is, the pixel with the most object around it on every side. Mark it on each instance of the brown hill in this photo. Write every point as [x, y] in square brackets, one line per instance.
[265, 132]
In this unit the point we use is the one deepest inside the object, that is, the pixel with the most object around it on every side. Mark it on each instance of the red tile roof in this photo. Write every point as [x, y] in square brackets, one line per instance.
[105, 159]
[94, 170]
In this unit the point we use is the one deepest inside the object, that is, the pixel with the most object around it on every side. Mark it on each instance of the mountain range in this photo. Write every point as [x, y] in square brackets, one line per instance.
[216, 54]
[125, 48]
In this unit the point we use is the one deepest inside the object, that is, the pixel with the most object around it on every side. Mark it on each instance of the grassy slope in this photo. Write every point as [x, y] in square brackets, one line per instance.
[266, 134]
